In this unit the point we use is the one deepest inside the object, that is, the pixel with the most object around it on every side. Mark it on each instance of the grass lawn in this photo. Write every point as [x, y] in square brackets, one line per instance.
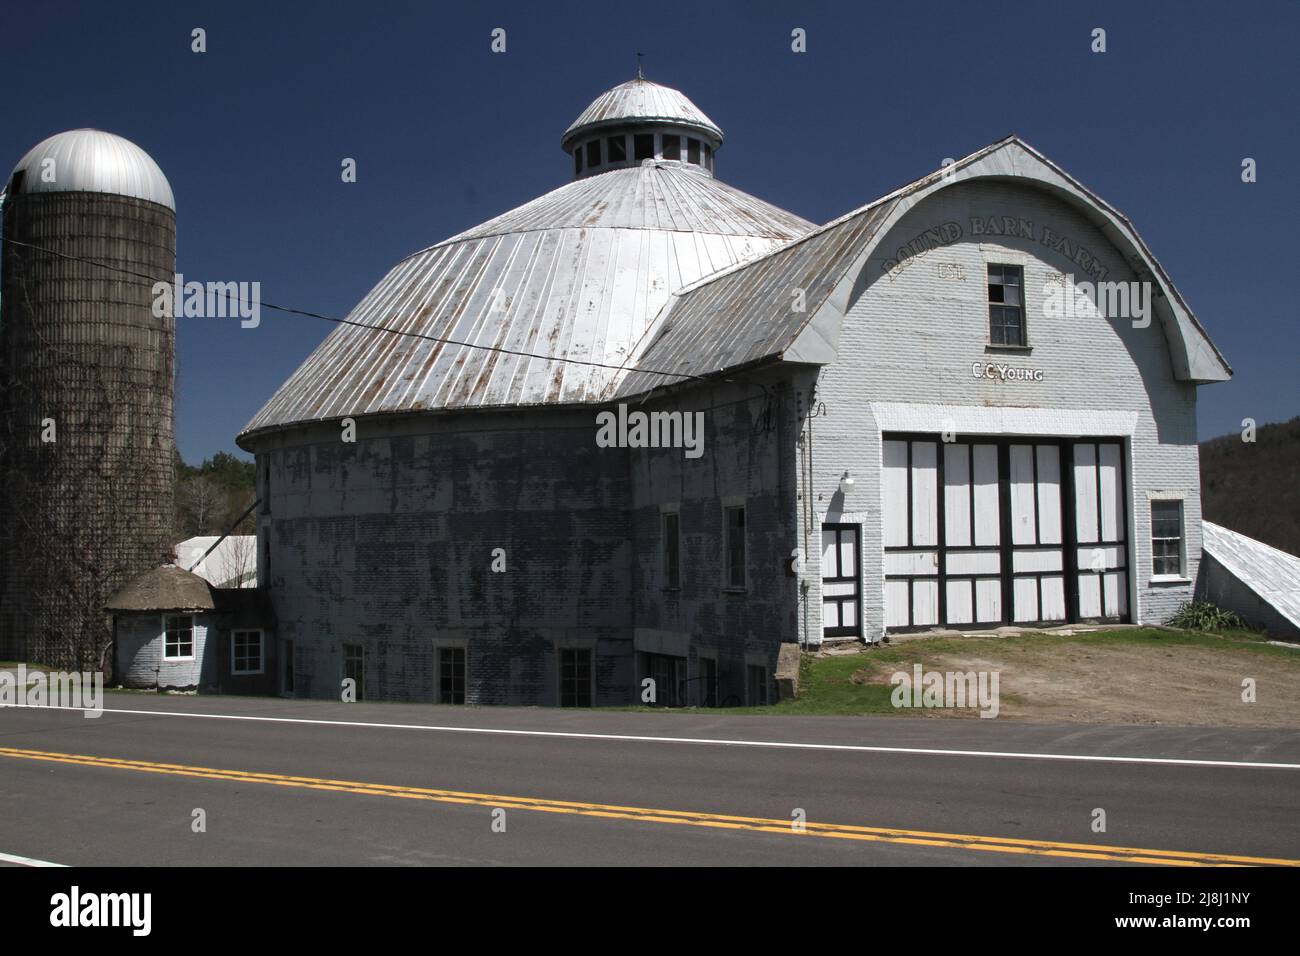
[1131, 675]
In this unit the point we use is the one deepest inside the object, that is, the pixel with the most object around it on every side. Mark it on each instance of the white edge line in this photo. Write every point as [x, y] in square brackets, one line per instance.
[706, 741]
[27, 861]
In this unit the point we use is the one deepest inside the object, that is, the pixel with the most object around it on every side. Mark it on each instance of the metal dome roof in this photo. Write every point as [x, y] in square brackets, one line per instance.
[579, 273]
[641, 101]
[90, 160]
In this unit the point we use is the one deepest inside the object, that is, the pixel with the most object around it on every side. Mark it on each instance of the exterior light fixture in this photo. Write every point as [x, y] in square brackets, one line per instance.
[846, 483]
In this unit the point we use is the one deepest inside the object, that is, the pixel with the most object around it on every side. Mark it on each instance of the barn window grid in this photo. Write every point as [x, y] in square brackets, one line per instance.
[451, 675]
[178, 637]
[575, 677]
[1167, 538]
[246, 652]
[672, 551]
[1006, 306]
[734, 546]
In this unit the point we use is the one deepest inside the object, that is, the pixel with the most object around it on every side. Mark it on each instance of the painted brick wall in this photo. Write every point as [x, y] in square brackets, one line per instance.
[139, 653]
[913, 338]
[748, 457]
[388, 543]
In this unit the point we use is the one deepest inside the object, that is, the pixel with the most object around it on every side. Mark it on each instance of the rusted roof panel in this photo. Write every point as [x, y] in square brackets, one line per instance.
[747, 313]
[580, 273]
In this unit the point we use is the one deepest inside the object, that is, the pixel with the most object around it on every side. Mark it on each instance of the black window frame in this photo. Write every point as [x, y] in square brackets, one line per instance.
[643, 146]
[576, 667]
[672, 549]
[594, 150]
[692, 150]
[733, 555]
[1162, 541]
[453, 675]
[1006, 316]
[619, 144]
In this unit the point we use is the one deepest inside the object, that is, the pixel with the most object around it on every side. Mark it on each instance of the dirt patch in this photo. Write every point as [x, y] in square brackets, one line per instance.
[1051, 679]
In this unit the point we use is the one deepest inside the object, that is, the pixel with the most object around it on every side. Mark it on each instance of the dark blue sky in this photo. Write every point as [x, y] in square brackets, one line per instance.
[448, 134]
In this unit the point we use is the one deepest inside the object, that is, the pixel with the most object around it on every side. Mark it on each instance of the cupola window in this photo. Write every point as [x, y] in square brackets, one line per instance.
[593, 153]
[693, 151]
[617, 149]
[644, 146]
[672, 147]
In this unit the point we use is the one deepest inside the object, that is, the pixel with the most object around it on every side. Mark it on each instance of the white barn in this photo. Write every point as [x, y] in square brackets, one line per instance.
[910, 417]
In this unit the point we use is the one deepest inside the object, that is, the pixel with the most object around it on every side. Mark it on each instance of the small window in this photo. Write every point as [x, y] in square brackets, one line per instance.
[577, 161]
[286, 667]
[593, 153]
[178, 637]
[1006, 306]
[734, 533]
[672, 551]
[708, 157]
[672, 147]
[246, 652]
[708, 681]
[617, 149]
[693, 151]
[354, 667]
[757, 685]
[451, 675]
[1167, 538]
[575, 677]
[643, 145]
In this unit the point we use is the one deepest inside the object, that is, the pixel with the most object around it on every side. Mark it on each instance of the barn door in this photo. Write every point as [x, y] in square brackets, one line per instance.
[841, 580]
[1037, 551]
[1100, 531]
[910, 484]
[972, 556]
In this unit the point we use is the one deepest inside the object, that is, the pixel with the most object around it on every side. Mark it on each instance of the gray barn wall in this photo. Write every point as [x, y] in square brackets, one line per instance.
[1221, 587]
[388, 543]
[914, 338]
[139, 654]
[749, 455]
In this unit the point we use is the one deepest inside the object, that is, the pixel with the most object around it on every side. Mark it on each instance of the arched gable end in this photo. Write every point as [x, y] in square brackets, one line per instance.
[1195, 358]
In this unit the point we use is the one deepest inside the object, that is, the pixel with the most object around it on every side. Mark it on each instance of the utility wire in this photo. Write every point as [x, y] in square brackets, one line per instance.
[362, 325]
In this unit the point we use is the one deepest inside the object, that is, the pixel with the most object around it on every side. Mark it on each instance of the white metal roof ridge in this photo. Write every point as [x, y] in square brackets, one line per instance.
[1271, 573]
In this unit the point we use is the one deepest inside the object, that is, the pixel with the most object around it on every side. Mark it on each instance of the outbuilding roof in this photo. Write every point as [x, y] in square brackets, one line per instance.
[1272, 574]
[165, 588]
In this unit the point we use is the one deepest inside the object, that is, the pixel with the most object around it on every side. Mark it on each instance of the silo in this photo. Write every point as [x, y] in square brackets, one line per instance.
[87, 446]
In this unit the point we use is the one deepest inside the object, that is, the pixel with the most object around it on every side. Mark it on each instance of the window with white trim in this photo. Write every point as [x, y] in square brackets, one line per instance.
[246, 656]
[1167, 538]
[1006, 306]
[178, 637]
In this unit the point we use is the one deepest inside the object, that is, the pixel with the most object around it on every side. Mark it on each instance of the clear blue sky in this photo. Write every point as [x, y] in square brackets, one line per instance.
[448, 134]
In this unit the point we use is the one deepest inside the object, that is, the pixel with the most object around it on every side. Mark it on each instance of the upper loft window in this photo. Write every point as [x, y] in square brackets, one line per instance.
[693, 151]
[593, 153]
[643, 146]
[617, 149]
[577, 161]
[1006, 306]
[672, 147]
[708, 157]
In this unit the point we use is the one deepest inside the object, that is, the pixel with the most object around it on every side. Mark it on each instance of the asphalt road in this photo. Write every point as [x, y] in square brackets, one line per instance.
[320, 783]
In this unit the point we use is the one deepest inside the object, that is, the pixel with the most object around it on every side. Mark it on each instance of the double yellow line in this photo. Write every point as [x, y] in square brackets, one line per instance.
[960, 841]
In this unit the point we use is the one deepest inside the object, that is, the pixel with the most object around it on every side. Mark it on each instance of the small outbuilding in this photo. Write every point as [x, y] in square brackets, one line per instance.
[174, 631]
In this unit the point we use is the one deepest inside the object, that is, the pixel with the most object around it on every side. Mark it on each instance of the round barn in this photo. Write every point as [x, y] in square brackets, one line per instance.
[649, 426]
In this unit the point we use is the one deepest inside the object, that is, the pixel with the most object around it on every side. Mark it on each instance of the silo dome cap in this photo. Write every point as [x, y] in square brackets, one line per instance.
[640, 102]
[90, 160]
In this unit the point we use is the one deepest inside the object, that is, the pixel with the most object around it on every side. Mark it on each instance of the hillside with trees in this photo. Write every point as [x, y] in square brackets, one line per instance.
[210, 497]
[1254, 487]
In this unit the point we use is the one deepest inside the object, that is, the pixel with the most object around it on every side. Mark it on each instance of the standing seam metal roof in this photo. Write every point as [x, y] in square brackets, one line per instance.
[641, 101]
[580, 273]
[90, 160]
